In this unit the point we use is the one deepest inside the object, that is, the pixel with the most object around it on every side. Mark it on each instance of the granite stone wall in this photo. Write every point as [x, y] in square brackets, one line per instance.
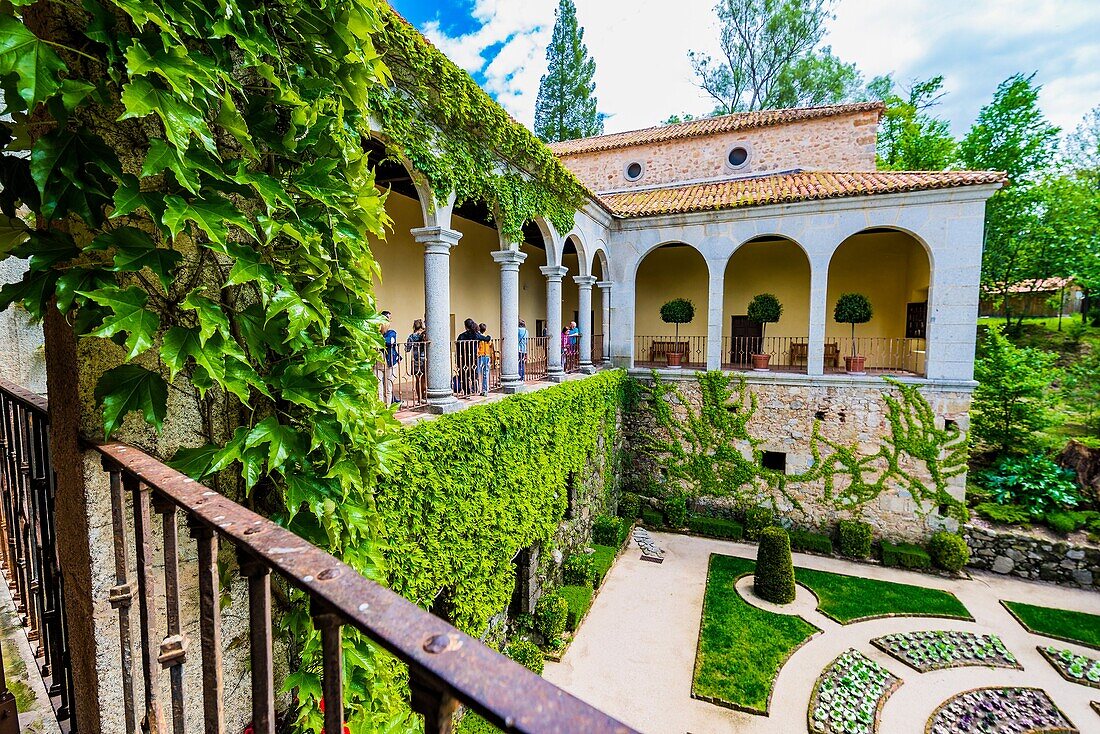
[849, 414]
[1033, 557]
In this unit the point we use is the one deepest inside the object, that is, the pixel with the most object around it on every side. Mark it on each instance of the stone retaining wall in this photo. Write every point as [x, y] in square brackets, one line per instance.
[1034, 557]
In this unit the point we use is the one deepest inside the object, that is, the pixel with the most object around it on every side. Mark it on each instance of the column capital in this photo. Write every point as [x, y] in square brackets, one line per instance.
[585, 281]
[436, 237]
[604, 285]
[509, 259]
[554, 272]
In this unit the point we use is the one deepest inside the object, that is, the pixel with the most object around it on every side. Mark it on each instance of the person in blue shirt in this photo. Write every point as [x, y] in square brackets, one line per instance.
[522, 349]
[390, 360]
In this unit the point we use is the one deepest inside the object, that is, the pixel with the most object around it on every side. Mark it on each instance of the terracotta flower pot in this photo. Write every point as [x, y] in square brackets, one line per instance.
[760, 362]
[674, 358]
[854, 365]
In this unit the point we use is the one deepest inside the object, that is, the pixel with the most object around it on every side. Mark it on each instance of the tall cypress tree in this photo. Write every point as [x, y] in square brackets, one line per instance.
[566, 106]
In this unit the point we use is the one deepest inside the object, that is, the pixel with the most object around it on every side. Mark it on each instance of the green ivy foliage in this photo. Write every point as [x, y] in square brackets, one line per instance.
[711, 450]
[496, 483]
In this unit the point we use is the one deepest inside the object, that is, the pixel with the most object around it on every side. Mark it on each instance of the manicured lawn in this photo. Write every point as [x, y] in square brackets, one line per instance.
[741, 648]
[579, 599]
[1060, 624]
[851, 598]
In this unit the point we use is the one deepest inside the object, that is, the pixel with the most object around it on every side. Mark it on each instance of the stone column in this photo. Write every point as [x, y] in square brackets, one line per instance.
[509, 319]
[438, 242]
[584, 307]
[605, 286]
[819, 312]
[554, 273]
[715, 308]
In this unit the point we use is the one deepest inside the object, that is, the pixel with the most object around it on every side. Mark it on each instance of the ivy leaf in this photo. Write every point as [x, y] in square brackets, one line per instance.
[211, 215]
[211, 317]
[129, 198]
[74, 91]
[260, 335]
[129, 316]
[135, 250]
[246, 271]
[230, 120]
[162, 156]
[195, 462]
[179, 343]
[75, 280]
[33, 291]
[31, 59]
[281, 441]
[68, 168]
[181, 69]
[181, 119]
[12, 232]
[46, 249]
[299, 313]
[128, 388]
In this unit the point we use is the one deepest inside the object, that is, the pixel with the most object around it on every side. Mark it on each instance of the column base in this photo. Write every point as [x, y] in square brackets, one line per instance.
[555, 377]
[588, 369]
[511, 387]
[444, 405]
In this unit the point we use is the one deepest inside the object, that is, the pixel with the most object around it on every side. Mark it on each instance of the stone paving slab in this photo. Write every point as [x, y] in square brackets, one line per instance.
[647, 618]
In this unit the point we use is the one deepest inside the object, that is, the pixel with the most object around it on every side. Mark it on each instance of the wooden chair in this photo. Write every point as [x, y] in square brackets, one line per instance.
[800, 353]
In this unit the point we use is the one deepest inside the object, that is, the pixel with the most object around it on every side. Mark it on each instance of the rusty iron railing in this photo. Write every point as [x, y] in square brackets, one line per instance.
[28, 542]
[446, 667]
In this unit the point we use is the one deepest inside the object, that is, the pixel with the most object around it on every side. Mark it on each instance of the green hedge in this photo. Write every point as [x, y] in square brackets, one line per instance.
[527, 654]
[605, 529]
[804, 540]
[551, 615]
[774, 577]
[578, 599]
[603, 558]
[579, 568]
[630, 506]
[948, 550]
[462, 494]
[905, 555]
[854, 538]
[624, 531]
[651, 518]
[716, 527]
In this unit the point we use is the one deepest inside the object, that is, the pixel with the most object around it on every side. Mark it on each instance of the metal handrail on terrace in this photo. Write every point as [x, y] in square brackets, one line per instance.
[446, 666]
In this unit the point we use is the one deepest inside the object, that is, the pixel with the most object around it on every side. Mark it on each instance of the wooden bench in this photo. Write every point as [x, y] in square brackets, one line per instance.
[800, 353]
[659, 351]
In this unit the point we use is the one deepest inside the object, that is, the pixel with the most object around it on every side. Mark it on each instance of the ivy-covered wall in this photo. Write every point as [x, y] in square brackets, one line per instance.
[890, 453]
[469, 491]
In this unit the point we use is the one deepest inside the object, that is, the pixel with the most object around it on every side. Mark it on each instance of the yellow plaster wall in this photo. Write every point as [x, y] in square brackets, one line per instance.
[475, 276]
[769, 267]
[664, 274]
[890, 268]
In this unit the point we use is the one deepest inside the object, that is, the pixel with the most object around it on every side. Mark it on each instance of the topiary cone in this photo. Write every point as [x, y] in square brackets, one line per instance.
[774, 578]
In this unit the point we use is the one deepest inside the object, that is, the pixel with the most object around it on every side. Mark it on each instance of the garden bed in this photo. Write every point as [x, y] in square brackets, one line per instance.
[848, 599]
[741, 647]
[936, 650]
[849, 695]
[1000, 711]
[1081, 628]
[1073, 667]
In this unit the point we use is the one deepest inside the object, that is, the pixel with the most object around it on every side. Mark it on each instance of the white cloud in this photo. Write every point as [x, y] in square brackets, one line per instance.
[643, 75]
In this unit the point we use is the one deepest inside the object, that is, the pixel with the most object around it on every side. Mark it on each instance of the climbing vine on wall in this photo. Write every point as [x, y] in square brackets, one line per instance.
[710, 450]
[468, 491]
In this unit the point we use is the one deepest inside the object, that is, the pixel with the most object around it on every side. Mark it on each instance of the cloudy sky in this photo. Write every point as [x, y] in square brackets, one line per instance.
[642, 72]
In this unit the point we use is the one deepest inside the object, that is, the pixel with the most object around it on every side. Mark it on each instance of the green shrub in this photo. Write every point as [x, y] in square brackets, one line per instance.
[473, 724]
[774, 577]
[948, 551]
[804, 540]
[675, 509]
[1007, 514]
[580, 569]
[605, 529]
[577, 599]
[603, 558]
[854, 538]
[550, 615]
[716, 527]
[651, 518]
[623, 532]
[527, 654]
[756, 519]
[1034, 482]
[630, 506]
[1061, 522]
[905, 555]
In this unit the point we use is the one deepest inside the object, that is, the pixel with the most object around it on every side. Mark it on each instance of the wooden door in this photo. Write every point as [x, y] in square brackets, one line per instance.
[747, 337]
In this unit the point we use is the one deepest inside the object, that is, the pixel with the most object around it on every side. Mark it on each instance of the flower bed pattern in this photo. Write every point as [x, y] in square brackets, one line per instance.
[1000, 711]
[935, 650]
[849, 695]
[1073, 667]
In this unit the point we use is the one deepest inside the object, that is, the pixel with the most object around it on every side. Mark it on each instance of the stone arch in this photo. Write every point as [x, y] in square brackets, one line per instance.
[643, 254]
[668, 270]
[873, 225]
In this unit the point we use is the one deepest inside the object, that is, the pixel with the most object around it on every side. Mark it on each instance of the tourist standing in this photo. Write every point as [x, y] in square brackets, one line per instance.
[522, 350]
[484, 358]
[466, 356]
[390, 359]
[417, 344]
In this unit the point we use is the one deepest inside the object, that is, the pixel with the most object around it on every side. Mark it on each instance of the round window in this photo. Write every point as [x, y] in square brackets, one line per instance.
[634, 171]
[738, 156]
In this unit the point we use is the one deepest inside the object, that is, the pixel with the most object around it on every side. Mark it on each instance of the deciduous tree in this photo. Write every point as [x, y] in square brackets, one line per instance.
[910, 137]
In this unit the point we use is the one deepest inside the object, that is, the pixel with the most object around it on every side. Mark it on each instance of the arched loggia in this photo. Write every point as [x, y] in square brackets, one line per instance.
[671, 271]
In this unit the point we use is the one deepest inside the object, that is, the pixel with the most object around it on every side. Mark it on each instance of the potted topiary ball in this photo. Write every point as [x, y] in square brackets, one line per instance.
[853, 308]
[677, 311]
[763, 309]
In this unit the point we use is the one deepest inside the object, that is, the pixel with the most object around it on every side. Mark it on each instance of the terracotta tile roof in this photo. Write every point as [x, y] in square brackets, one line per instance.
[785, 188]
[708, 126]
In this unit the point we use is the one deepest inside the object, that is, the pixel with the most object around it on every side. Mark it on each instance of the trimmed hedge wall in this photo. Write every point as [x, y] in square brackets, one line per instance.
[905, 555]
[578, 599]
[804, 540]
[854, 538]
[716, 527]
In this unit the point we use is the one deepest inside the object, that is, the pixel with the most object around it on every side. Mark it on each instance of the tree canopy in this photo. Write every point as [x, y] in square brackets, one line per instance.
[566, 107]
[910, 136]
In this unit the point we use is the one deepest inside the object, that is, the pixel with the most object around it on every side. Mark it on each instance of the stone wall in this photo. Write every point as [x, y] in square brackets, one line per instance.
[23, 358]
[840, 143]
[850, 412]
[1034, 557]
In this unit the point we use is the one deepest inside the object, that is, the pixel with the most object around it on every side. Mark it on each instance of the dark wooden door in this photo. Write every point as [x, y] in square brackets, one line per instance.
[747, 337]
[916, 318]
